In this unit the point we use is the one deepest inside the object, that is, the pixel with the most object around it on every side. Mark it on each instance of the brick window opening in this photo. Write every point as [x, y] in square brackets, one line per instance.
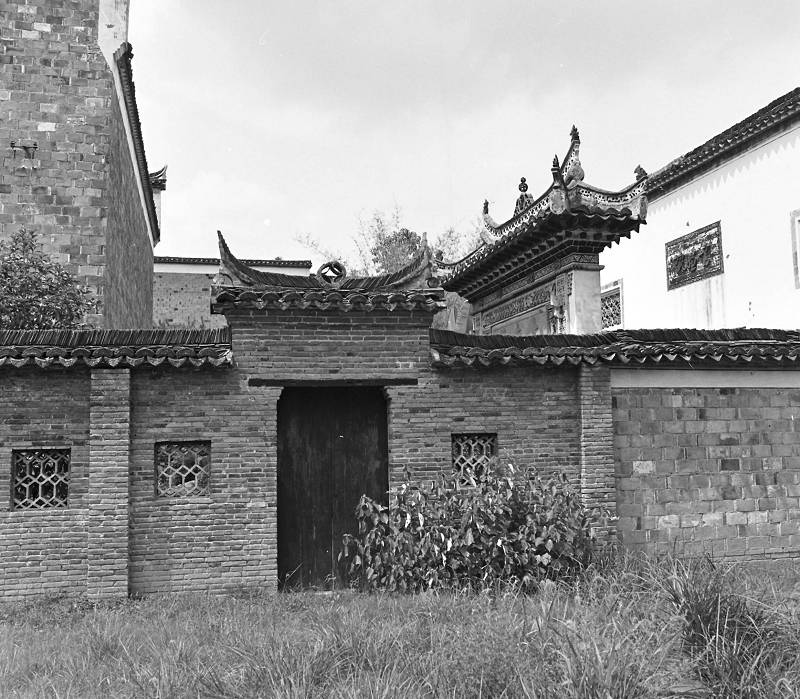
[611, 308]
[182, 468]
[473, 451]
[39, 478]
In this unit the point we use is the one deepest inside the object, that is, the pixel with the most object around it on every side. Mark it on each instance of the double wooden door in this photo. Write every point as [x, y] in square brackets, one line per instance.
[332, 448]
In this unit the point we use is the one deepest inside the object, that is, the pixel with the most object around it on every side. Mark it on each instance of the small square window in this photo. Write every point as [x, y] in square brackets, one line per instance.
[39, 478]
[183, 469]
[473, 451]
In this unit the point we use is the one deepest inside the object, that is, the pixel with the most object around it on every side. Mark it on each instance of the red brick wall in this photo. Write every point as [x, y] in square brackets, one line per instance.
[78, 192]
[184, 301]
[44, 550]
[709, 470]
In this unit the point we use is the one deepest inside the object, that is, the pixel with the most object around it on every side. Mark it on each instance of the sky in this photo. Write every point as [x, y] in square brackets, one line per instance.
[285, 119]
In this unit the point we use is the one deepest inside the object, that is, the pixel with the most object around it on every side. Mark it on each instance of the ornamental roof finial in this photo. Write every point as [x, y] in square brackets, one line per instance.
[640, 173]
[574, 134]
[485, 206]
[523, 186]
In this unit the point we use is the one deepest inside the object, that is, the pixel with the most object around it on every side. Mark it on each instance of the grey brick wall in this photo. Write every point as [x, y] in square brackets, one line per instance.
[703, 470]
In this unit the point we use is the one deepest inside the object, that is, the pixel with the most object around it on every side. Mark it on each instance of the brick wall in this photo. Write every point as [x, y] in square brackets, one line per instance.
[183, 300]
[44, 550]
[128, 283]
[712, 470]
[534, 413]
[222, 541]
[56, 89]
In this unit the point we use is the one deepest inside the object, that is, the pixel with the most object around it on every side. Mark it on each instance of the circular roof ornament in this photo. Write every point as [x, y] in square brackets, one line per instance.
[332, 274]
[523, 185]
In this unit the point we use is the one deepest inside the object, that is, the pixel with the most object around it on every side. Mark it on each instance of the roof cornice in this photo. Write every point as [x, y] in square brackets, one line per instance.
[115, 348]
[122, 57]
[776, 117]
[669, 347]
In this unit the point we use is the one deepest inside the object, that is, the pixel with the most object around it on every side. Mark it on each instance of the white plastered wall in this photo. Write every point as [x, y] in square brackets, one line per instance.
[752, 196]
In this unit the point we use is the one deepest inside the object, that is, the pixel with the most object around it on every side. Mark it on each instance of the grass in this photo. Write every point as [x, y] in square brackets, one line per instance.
[637, 628]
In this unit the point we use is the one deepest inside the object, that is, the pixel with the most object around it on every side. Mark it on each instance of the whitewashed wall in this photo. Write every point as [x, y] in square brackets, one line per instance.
[753, 196]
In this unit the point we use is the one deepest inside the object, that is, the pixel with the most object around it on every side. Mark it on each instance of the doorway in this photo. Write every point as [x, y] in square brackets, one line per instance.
[332, 448]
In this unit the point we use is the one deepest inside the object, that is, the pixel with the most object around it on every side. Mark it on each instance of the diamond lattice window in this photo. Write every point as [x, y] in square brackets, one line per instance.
[473, 450]
[39, 478]
[182, 468]
[611, 308]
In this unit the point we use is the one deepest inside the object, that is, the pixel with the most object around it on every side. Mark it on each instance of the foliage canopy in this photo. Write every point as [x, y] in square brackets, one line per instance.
[35, 291]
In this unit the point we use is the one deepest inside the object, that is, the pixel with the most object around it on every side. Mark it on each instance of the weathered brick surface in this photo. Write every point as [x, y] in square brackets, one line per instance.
[597, 485]
[709, 470]
[534, 413]
[78, 191]
[183, 300]
[44, 550]
[222, 541]
[107, 492]
[128, 285]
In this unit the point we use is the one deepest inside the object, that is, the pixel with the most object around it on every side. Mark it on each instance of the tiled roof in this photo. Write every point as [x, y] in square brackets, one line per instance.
[544, 240]
[431, 300]
[685, 347]
[569, 217]
[247, 287]
[215, 261]
[115, 348]
[776, 116]
[123, 57]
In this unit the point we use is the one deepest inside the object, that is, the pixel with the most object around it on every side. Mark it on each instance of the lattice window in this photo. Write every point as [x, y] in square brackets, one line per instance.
[39, 478]
[182, 468]
[611, 308]
[473, 450]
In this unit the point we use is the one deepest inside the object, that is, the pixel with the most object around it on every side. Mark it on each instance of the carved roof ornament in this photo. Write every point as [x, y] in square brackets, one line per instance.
[569, 204]
[332, 274]
[640, 173]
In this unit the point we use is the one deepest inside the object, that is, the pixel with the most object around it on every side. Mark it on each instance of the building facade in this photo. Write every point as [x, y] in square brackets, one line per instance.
[720, 248]
[182, 288]
[215, 460]
[74, 167]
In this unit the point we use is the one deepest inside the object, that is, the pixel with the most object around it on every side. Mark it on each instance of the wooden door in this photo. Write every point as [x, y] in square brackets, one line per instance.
[332, 448]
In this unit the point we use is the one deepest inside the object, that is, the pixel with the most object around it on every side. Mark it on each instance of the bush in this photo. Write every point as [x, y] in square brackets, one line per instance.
[35, 291]
[469, 530]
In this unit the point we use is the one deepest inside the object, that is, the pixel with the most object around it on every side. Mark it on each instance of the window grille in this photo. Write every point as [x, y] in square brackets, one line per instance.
[182, 468]
[39, 478]
[473, 451]
[611, 308]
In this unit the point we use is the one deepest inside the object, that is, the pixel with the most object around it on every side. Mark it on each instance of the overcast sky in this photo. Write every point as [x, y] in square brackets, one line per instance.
[279, 119]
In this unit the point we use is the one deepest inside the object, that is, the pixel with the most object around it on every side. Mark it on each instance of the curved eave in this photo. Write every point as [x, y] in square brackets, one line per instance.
[417, 270]
[545, 240]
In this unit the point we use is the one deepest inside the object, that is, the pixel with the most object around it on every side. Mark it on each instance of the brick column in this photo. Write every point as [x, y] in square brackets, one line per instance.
[598, 488]
[107, 496]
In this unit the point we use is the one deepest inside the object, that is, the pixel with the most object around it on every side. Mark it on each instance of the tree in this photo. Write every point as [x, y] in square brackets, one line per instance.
[35, 291]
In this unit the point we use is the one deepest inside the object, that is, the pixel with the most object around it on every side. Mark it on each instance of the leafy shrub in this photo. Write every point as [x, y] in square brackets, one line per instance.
[35, 291]
[469, 530]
